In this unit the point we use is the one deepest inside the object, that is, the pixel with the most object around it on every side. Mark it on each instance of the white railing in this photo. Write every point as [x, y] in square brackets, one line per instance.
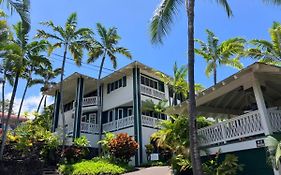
[246, 125]
[152, 92]
[90, 101]
[89, 128]
[150, 121]
[275, 120]
[119, 124]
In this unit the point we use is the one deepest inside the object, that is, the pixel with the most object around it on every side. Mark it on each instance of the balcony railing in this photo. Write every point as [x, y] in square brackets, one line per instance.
[119, 124]
[88, 101]
[150, 121]
[152, 92]
[89, 128]
[238, 128]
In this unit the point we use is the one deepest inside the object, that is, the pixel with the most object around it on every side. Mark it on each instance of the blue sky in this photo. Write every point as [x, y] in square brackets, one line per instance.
[251, 20]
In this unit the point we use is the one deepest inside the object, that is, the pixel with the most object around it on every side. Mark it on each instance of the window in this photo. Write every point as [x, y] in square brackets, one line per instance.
[110, 116]
[117, 84]
[130, 112]
[120, 113]
[93, 118]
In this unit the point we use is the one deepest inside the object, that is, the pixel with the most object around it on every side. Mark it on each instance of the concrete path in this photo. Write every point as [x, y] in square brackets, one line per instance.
[157, 170]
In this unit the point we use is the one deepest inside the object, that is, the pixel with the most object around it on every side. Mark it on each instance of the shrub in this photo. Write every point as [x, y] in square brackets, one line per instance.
[97, 166]
[229, 166]
[81, 142]
[105, 142]
[123, 147]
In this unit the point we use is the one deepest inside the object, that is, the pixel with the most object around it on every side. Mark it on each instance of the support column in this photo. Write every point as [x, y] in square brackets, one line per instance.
[56, 111]
[137, 114]
[78, 107]
[261, 107]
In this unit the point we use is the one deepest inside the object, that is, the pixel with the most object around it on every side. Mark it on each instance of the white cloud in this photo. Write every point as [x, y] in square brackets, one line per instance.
[30, 103]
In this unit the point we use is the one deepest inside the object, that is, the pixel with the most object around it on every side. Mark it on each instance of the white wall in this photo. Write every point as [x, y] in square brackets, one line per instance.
[92, 138]
[146, 133]
[119, 96]
[69, 121]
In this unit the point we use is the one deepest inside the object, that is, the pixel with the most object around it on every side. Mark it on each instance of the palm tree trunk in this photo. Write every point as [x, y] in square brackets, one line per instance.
[195, 156]
[215, 74]
[174, 99]
[45, 102]
[4, 134]
[99, 101]
[3, 99]
[22, 100]
[38, 108]
[61, 97]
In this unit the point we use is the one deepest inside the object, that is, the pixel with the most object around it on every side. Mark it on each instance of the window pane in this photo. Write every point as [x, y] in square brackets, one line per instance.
[142, 80]
[108, 88]
[120, 113]
[124, 81]
[120, 83]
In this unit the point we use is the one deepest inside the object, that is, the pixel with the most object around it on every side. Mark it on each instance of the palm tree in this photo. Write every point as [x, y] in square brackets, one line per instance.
[32, 61]
[48, 74]
[107, 46]
[267, 51]
[13, 59]
[216, 54]
[178, 82]
[160, 27]
[72, 39]
[22, 7]
[274, 148]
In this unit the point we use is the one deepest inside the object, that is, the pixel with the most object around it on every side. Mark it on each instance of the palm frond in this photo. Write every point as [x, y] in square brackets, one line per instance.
[163, 18]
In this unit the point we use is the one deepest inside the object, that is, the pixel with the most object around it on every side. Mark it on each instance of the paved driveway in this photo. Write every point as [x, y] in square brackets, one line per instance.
[161, 170]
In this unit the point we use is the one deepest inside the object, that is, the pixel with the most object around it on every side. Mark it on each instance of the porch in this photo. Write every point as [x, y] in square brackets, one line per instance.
[242, 128]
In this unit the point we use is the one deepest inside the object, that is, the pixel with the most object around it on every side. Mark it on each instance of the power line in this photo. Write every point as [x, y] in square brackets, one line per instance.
[89, 65]
[112, 70]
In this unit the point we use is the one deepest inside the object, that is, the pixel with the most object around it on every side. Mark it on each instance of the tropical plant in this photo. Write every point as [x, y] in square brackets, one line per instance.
[216, 54]
[229, 166]
[47, 74]
[44, 119]
[123, 147]
[33, 60]
[108, 46]
[178, 82]
[96, 166]
[160, 27]
[267, 51]
[274, 149]
[22, 7]
[14, 60]
[81, 141]
[108, 136]
[72, 39]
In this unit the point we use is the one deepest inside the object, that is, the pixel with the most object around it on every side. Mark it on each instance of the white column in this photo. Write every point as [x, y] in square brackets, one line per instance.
[261, 107]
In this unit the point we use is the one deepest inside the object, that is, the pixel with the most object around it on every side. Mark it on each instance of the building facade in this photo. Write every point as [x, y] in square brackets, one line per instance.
[122, 95]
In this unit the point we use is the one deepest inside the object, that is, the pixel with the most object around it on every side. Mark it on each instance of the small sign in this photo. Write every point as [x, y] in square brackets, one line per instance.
[154, 156]
[260, 143]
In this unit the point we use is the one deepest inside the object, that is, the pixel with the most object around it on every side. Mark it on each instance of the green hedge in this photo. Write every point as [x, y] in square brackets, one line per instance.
[97, 166]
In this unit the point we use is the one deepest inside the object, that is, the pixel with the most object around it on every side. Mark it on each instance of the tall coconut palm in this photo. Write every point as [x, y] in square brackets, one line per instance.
[216, 54]
[267, 51]
[72, 39]
[13, 59]
[178, 82]
[108, 46]
[22, 7]
[47, 74]
[32, 61]
[4, 37]
[160, 27]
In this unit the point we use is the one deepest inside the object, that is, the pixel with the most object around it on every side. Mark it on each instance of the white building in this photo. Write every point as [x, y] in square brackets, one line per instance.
[122, 94]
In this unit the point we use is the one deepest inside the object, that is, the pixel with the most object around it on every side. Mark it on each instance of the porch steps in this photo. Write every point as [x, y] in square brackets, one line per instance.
[50, 171]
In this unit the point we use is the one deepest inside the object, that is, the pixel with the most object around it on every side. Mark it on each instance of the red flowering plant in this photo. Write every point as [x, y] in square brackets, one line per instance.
[123, 147]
